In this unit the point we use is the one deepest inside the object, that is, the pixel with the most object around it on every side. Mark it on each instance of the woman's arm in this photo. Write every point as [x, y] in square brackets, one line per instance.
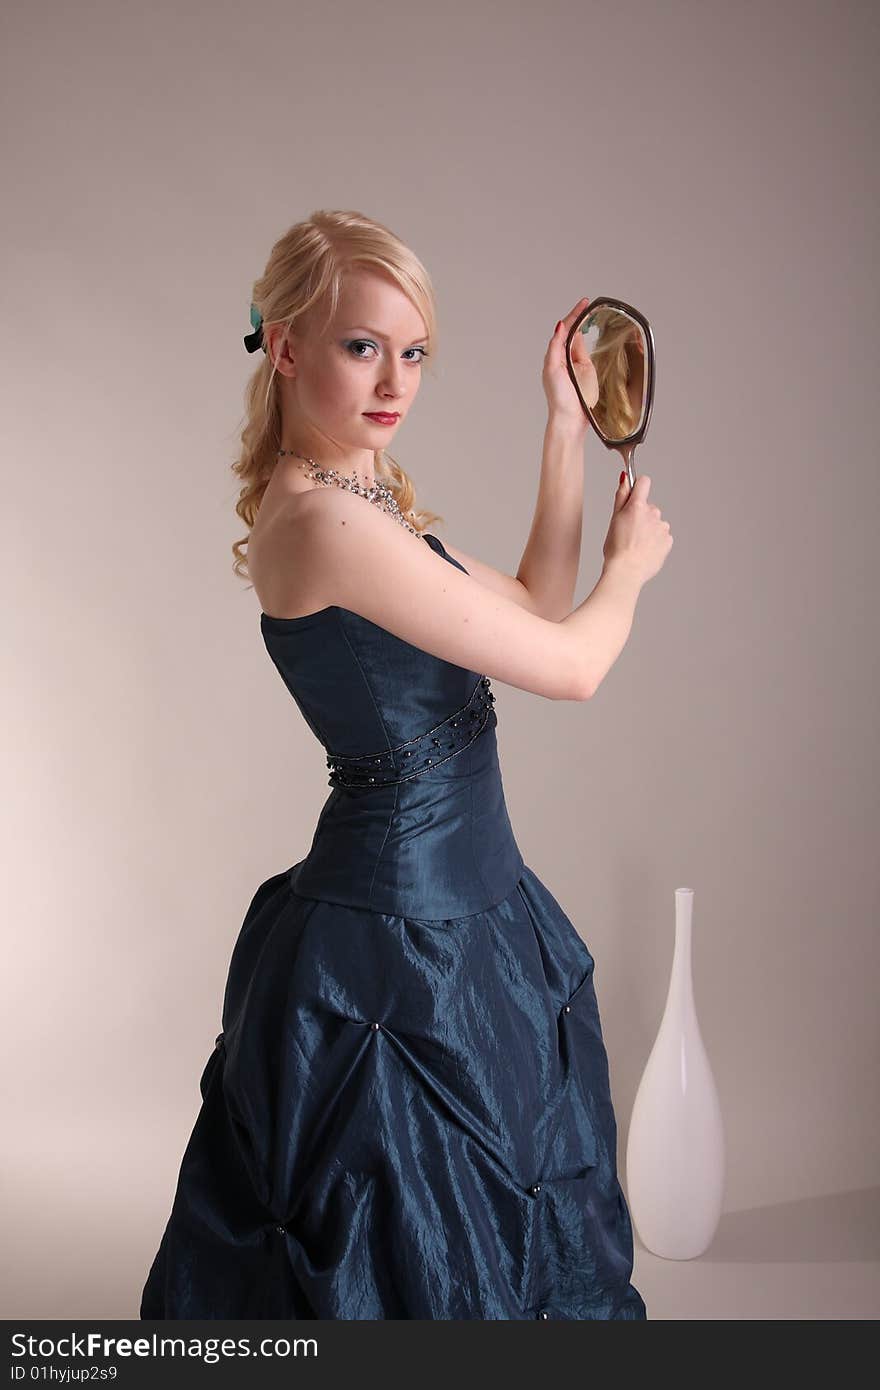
[356, 558]
[496, 580]
[550, 561]
[547, 575]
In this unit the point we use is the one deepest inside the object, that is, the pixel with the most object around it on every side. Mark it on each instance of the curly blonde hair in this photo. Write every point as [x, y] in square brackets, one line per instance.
[303, 275]
[615, 357]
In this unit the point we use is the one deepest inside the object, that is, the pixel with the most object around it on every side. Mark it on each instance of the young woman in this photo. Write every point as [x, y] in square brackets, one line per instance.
[407, 1113]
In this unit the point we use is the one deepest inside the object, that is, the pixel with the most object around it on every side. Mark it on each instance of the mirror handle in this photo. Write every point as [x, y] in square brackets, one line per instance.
[626, 452]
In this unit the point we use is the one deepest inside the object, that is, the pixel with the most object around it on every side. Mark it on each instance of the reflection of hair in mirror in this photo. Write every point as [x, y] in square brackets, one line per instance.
[620, 366]
[302, 282]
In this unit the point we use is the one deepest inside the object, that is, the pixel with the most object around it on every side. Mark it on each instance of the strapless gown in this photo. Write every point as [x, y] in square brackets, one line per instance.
[407, 1113]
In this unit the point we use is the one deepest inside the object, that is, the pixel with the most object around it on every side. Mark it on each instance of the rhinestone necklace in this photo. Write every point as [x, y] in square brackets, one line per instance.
[377, 493]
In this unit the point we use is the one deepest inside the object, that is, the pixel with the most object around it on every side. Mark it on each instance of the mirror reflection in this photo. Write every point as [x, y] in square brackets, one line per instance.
[608, 354]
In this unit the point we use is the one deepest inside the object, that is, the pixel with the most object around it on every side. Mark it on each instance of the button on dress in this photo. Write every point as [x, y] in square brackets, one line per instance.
[407, 1111]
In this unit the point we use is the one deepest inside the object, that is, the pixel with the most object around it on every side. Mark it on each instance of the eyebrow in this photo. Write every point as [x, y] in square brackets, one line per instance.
[384, 336]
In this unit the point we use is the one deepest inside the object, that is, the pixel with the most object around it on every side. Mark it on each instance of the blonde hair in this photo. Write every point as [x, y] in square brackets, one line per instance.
[304, 274]
[613, 356]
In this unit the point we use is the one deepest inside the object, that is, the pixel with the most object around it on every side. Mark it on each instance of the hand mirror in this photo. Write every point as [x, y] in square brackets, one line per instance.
[609, 352]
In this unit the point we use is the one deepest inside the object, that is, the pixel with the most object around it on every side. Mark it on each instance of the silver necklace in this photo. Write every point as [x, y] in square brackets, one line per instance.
[377, 493]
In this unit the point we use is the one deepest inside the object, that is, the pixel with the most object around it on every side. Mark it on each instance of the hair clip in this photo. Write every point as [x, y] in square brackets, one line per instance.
[253, 341]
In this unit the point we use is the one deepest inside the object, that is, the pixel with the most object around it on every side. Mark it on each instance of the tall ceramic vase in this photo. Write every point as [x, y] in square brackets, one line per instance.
[675, 1149]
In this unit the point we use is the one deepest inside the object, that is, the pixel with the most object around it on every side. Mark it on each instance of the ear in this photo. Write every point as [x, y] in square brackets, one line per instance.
[280, 349]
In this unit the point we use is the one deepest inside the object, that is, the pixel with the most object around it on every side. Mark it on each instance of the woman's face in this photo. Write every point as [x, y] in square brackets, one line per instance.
[368, 360]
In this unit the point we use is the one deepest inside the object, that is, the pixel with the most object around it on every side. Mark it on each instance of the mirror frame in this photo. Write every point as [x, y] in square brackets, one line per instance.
[627, 445]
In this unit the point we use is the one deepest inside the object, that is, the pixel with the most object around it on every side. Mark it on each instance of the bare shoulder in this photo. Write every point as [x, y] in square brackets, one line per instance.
[359, 558]
[283, 584]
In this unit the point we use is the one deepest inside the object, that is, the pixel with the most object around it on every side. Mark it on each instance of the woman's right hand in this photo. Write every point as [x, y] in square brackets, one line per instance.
[638, 537]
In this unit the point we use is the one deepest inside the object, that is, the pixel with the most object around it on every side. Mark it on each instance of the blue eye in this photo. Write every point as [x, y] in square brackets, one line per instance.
[367, 342]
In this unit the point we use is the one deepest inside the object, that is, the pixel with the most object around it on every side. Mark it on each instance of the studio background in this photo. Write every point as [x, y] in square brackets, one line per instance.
[712, 165]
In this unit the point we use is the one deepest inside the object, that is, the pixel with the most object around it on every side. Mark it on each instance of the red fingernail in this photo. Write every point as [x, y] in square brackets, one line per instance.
[620, 479]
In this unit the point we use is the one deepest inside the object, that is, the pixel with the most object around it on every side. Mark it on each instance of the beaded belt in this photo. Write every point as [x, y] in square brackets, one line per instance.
[419, 754]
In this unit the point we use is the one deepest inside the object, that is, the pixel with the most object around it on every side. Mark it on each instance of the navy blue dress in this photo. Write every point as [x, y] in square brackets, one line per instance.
[407, 1113]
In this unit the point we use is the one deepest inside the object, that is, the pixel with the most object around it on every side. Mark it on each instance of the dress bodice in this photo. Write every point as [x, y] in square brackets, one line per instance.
[416, 823]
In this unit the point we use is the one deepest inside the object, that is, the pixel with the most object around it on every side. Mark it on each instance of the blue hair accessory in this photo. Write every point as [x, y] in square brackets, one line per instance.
[253, 341]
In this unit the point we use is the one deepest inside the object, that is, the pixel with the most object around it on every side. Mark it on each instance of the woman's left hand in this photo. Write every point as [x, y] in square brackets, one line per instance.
[562, 400]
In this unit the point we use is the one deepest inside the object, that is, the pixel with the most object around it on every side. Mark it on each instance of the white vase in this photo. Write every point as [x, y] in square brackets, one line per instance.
[675, 1149]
